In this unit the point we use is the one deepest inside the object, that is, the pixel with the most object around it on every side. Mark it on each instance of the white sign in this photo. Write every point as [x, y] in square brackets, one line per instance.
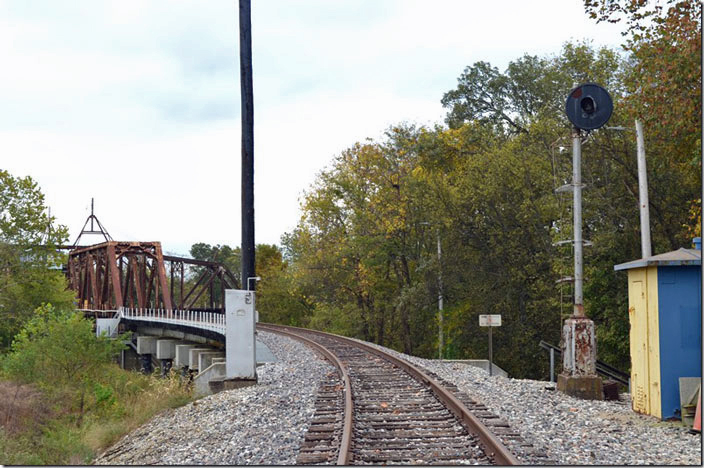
[490, 320]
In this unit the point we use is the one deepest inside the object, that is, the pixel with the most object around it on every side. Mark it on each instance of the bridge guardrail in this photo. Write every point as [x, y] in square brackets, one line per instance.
[191, 318]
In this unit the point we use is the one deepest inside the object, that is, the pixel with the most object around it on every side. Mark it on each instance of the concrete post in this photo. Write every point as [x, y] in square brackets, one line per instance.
[577, 212]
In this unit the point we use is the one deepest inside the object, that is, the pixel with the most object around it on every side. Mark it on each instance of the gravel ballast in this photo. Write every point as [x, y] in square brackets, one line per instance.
[265, 424]
[570, 430]
[259, 425]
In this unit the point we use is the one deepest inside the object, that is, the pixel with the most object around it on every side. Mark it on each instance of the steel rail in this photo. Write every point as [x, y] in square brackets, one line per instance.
[491, 444]
[346, 439]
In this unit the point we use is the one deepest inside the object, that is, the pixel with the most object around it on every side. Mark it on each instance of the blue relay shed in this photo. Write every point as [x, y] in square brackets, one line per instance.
[665, 314]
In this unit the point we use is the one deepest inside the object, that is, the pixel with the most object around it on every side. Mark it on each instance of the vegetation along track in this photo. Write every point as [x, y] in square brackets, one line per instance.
[381, 410]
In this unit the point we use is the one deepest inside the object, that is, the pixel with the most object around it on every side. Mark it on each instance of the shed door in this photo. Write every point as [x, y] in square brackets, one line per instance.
[638, 315]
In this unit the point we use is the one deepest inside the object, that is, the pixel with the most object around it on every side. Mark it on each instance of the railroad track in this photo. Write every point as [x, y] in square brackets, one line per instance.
[379, 409]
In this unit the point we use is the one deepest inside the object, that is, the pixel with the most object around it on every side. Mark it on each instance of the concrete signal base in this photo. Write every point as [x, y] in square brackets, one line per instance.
[587, 387]
[578, 377]
[230, 384]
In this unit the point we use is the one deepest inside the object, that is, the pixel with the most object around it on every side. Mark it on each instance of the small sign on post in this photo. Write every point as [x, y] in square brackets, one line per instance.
[490, 321]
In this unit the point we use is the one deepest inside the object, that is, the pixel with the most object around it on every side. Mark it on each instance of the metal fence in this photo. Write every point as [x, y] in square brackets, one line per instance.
[198, 319]
[601, 367]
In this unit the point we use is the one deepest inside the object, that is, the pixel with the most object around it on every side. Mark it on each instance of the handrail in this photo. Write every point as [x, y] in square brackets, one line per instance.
[198, 319]
[601, 367]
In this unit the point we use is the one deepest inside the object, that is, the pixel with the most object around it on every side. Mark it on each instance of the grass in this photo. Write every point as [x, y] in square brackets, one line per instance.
[41, 427]
[146, 396]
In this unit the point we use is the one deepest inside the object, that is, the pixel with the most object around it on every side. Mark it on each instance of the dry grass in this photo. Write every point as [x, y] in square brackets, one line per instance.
[35, 429]
[156, 396]
[22, 407]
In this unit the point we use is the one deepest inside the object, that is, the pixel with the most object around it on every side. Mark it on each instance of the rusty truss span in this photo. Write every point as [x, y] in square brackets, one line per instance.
[115, 274]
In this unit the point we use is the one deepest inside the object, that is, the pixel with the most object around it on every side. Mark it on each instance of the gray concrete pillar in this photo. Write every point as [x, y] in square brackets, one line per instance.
[146, 347]
[181, 355]
[193, 355]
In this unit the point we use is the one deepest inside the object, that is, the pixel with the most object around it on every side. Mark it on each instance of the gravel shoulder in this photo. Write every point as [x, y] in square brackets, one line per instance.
[259, 425]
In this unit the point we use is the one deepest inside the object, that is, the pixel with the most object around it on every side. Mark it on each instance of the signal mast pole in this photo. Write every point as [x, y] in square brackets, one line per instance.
[577, 209]
[588, 107]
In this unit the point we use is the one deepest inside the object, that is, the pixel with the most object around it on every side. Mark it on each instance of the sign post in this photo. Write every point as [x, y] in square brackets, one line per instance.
[490, 321]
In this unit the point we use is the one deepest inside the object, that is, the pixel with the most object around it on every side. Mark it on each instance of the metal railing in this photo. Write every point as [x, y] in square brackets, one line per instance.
[100, 313]
[198, 319]
[601, 367]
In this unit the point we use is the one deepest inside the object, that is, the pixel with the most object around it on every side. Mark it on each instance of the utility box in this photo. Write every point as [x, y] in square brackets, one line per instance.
[664, 311]
[240, 347]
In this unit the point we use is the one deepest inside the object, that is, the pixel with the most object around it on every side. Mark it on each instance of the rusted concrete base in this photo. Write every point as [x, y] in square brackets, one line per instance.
[578, 347]
[587, 387]
[220, 385]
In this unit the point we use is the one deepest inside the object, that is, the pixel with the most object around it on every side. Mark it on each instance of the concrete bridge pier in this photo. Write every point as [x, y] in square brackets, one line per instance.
[181, 358]
[145, 362]
[146, 347]
[165, 353]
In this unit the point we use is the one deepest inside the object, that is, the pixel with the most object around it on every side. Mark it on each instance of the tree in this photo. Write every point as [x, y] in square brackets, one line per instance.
[57, 349]
[529, 89]
[29, 274]
[664, 91]
[363, 260]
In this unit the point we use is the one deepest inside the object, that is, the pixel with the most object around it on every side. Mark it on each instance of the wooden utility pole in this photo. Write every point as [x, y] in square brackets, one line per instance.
[247, 107]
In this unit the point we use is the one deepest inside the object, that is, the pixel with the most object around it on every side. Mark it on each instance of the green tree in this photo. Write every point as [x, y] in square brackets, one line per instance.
[664, 91]
[531, 87]
[29, 273]
[57, 349]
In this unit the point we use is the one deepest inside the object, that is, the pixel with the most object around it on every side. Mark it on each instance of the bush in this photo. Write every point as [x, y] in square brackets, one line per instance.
[58, 351]
[66, 400]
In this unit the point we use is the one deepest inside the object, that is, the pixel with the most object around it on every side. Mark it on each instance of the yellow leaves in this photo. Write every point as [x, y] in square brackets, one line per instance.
[694, 226]
[419, 172]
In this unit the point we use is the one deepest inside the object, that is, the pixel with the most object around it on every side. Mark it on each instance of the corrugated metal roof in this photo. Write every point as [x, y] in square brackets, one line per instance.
[676, 257]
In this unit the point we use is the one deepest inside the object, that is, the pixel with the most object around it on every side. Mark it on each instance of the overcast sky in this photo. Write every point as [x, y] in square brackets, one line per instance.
[136, 103]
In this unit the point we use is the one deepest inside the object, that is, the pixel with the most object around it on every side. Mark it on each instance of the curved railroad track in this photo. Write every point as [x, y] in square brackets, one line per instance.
[380, 409]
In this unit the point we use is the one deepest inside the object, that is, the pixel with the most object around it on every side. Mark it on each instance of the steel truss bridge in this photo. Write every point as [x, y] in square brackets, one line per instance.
[114, 275]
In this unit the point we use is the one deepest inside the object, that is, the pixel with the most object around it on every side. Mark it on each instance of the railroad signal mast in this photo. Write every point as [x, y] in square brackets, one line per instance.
[588, 107]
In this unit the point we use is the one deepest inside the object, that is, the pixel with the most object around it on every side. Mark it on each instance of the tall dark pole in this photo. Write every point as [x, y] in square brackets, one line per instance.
[247, 142]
